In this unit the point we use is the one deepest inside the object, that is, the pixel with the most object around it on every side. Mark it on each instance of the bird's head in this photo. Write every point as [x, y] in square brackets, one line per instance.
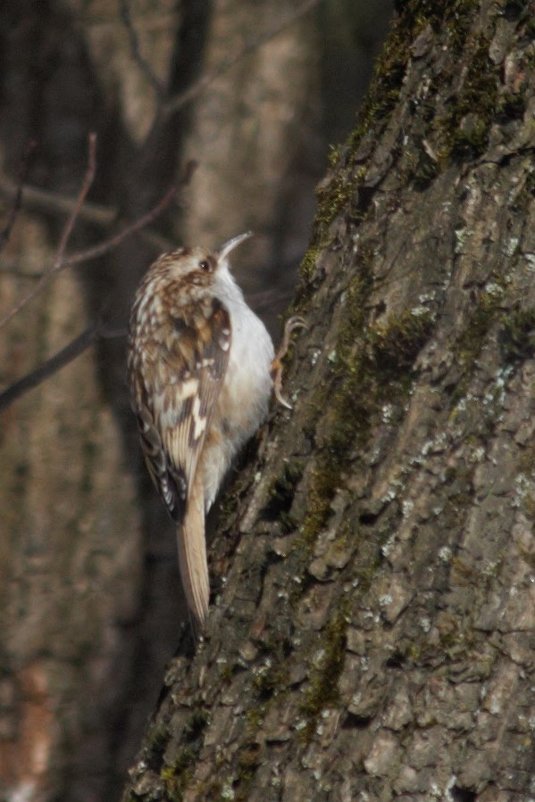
[198, 265]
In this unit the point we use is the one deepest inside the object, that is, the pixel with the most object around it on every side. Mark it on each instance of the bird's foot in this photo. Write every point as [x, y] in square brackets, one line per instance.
[291, 325]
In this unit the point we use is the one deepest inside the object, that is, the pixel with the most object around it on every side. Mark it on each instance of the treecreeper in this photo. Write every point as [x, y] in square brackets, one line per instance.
[201, 370]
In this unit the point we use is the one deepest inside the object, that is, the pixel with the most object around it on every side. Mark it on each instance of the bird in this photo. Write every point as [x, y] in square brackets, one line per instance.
[201, 370]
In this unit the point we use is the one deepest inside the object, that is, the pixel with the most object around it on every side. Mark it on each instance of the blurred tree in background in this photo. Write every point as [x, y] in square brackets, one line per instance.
[253, 94]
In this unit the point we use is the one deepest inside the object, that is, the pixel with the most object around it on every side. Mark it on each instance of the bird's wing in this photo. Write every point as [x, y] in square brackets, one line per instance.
[180, 387]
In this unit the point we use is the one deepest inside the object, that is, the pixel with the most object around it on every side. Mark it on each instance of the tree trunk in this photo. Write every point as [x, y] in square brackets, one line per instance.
[372, 628]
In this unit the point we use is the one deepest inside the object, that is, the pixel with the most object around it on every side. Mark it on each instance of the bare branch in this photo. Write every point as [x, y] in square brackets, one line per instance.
[89, 253]
[112, 242]
[43, 200]
[54, 202]
[143, 64]
[86, 186]
[17, 194]
[10, 267]
[67, 354]
[65, 236]
[49, 367]
[66, 233]
[199, 86]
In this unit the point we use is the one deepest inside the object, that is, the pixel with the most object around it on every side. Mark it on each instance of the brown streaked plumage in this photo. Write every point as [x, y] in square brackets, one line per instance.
[200, 366]
[199, 372]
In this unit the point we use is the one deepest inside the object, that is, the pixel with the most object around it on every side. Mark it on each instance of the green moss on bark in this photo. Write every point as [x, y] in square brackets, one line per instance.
[323, 691]
[464, 128]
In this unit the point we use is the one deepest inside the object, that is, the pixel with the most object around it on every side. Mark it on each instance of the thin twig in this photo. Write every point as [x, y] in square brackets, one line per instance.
[202, 83]
[53, 202]
[65, 236]
[17, 194]
[86, 186]
[135, 50]
[112, 242]
[9, 267]
[67, 354]
[49, 367]
[44, 200]
[90, 253]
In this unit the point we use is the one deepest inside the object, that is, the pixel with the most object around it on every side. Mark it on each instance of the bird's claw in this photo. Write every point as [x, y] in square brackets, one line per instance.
[291, 325]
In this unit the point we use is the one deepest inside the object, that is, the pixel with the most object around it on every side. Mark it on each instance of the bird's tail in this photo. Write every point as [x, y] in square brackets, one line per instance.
[192, 557]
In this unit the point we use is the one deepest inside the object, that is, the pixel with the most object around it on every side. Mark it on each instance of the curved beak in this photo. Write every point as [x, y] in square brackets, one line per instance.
[229, 246]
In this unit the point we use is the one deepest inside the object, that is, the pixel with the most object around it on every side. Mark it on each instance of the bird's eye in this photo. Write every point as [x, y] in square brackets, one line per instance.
[204, 264]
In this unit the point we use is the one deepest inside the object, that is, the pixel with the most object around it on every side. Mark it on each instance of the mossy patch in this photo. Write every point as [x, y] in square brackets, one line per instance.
[338, 192]
[248, 761]
[515, 331]
[463, 130]
[177, 774]
[373, 363]
[281, 495]
[516, 336]
[308, 265]
[156, 739]
[396, 343]
[451, 19]
[345, 406]
[270, 678]
[323, 691]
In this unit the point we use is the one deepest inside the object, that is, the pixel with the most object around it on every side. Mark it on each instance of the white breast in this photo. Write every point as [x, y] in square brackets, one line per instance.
[243, 403]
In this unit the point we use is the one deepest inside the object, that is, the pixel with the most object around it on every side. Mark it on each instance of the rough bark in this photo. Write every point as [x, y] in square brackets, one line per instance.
[371, 635]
